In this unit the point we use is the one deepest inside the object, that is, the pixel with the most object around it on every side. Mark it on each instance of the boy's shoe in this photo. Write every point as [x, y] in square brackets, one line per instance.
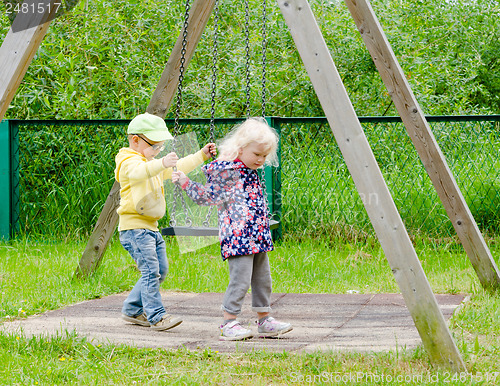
[270, 327]
[234, 331]
[166, 323]
[141, 319]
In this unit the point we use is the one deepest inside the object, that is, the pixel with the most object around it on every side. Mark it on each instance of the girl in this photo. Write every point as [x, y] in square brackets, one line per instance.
[233, 185]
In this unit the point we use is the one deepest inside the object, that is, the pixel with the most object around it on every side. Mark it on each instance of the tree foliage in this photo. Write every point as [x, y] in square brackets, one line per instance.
[104, 59]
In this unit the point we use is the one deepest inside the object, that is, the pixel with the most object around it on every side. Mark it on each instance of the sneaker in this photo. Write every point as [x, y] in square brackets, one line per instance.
[166, 323]
[270, 327]
[141, 319]
[234, 331]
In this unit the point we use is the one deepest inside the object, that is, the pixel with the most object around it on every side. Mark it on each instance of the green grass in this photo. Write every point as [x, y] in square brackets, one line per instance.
[35, 277]
[74, 360]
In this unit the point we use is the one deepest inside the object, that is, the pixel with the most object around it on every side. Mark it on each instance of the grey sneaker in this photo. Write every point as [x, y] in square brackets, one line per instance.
[270, 327]
[166, 323]
[141, 319]
[234, 331]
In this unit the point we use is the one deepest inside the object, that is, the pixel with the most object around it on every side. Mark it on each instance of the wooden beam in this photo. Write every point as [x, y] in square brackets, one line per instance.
[425, 143]
[165, 90]
[370, 184]
[162, 97]
[19, 48]
[103, 231]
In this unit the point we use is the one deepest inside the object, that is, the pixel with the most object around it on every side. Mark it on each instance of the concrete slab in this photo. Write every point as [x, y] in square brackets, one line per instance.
[358, 322]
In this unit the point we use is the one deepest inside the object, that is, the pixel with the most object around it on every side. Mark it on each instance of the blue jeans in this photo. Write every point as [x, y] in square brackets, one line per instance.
[147, 248]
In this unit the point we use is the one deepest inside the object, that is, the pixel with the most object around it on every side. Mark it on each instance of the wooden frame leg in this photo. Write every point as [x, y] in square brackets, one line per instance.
[426, 145]
[369, 181]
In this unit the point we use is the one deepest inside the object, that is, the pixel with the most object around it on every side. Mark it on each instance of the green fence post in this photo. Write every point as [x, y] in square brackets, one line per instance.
[4, 180]
[15, 198]
[273, 183]
[9, 181]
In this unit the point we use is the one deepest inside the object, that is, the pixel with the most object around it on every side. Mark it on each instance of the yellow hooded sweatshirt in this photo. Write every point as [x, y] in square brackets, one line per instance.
[142, 196]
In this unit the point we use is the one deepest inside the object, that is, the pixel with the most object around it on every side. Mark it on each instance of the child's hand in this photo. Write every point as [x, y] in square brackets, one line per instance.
[170, 160]
[210, 149]
[179, 178]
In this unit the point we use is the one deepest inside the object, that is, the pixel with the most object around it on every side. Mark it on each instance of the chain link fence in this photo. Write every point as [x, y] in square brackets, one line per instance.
[319, 196]
[66, 172]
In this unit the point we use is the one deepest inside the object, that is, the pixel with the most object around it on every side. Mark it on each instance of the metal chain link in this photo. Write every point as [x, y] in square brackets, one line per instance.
[247, 57]
[264, 64]
[181, 67]
[206, 223]
[214, 69]
[264, 51]
[177, 189]
[173, 211]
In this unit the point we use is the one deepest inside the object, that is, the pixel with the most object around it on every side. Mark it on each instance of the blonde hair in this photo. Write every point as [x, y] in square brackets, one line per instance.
[252, 130]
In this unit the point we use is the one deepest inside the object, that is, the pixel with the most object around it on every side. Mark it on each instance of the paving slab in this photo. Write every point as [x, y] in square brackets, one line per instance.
[321, 322]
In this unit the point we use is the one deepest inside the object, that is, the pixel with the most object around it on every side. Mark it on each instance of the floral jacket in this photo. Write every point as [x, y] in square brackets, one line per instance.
[242, 212]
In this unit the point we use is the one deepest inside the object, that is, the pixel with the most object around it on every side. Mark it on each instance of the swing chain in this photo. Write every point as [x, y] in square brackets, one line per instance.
[206, 223]
[264, 63]
[177, 190]
[247, 57]
[214, 69]
[181, 67]
[264, 51]
[173, 222]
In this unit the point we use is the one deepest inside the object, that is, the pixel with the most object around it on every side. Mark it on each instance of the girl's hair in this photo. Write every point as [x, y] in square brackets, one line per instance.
[252, 130]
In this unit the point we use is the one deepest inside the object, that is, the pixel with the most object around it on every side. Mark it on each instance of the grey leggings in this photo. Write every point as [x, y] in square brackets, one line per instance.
[245, 271]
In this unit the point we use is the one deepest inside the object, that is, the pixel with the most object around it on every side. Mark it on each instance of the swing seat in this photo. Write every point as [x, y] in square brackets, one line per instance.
[201, 231]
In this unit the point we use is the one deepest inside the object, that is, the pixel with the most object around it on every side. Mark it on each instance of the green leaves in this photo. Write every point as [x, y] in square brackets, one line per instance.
[104, 61]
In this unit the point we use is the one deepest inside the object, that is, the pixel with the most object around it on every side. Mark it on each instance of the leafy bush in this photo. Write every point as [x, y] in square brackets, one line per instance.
[104, 61]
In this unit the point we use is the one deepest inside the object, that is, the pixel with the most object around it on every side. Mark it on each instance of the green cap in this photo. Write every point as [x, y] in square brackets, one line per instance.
[151, 126]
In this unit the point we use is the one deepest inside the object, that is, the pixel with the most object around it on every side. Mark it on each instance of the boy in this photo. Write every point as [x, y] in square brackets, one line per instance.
[142, 204]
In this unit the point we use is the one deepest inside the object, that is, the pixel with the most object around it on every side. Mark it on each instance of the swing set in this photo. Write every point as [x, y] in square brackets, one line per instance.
[18, 50]
[189, 228]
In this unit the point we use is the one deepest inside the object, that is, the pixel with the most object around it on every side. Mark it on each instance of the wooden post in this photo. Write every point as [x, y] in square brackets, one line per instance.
[18, 49]
[167, 86]
[159, 104]
[370, 184]
[103, 231]
[425, 143]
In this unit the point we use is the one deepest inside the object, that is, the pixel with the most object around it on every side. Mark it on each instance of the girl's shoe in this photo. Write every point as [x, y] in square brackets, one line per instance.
[270, 327]
[234, 331]
[141, 319]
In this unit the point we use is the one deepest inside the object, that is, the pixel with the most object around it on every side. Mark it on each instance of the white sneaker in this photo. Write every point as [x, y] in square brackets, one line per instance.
[234, 331]
[270, 327]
